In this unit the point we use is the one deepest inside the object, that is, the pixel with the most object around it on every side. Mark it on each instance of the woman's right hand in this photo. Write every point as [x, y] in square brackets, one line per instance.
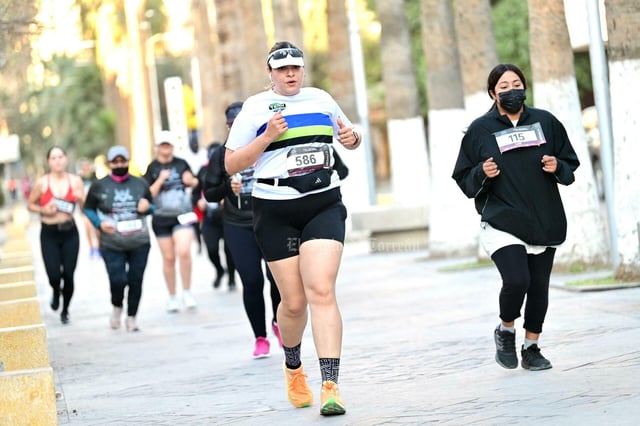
[490, 168]
[107, 227]
[164, 175]
[49, 210]
[236, 186]
[276, 126]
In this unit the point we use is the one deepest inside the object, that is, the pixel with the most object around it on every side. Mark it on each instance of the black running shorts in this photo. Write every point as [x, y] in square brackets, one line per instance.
[282, 226]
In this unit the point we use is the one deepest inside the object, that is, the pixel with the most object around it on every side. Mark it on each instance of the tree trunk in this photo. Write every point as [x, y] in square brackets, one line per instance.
[453, 223]
[230, 47]
[255, 61]
[339, 56]
[405, 126]
[205, 53]
[110, 56]
[623, 21]
[555, 90]
[286, 22]
[140, 131]
[288, 27]
[478, 53]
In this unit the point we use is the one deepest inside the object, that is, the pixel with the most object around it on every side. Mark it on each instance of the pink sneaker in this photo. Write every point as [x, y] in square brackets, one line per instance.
[276, 331]
[262, 348]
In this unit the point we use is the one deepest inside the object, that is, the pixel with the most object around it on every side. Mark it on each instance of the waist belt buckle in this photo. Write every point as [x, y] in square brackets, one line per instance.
[275, 181]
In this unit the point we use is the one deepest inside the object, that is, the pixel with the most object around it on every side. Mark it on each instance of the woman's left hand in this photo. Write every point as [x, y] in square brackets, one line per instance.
[348, 137]
[550, 163]
[188, 179]
[143, 205]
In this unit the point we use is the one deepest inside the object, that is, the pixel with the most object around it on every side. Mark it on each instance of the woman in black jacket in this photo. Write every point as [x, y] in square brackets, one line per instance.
[237, 217]
[211, 227]
[511, 161]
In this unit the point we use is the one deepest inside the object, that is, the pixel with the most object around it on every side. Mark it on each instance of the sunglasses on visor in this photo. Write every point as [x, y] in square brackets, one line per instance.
[283, 53]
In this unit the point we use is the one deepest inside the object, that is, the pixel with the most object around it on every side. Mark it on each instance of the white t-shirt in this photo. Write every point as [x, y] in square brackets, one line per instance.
[312, 117]
[196, 160]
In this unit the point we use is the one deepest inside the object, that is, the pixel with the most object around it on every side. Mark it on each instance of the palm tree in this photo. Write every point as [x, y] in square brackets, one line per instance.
[205, 53]
[477, 49]
[339, 56]
[286, 22]
[141, 129]
[111, 50]
[288, 26]
[623, 19]
[229, 87]
[453, 223]
[405, 125]
[255, 45]
[555, 89]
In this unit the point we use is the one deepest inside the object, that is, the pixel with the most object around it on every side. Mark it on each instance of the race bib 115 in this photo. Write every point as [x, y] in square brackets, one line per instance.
[520, 137]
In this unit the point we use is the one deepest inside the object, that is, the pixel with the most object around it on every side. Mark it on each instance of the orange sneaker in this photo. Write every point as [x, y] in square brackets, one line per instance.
[331, 402]
[298, 391]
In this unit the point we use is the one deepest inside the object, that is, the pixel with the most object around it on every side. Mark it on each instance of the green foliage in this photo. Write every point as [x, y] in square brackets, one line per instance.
[599, 281]
[477, 264]
[582, 68]
[70, 114]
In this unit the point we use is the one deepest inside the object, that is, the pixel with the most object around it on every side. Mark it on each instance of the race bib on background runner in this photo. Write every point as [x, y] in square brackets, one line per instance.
[520, 137]
[187, 218]
[129, 226]
[64, 206]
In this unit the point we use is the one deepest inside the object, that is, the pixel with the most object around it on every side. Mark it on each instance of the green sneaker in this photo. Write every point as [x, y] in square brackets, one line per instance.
[330, 397]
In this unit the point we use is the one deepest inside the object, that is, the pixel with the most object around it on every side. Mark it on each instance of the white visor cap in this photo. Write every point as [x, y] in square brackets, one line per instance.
[285, 61]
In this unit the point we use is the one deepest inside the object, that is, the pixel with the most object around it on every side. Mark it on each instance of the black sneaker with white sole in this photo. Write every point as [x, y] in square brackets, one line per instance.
[533, 360]
[505, 348]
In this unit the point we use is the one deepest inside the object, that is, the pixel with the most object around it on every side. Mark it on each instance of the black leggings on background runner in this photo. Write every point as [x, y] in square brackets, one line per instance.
[524, 275]
[60, 256]
[248, 261]
[212, 233]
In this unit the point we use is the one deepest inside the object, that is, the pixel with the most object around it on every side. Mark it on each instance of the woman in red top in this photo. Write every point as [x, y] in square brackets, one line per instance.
[55, 196]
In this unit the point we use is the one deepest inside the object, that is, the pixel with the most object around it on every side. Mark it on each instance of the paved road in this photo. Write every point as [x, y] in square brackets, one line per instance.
[418, 349]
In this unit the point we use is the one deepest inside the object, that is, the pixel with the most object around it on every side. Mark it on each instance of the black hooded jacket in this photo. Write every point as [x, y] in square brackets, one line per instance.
[522, 200]
[237, 209]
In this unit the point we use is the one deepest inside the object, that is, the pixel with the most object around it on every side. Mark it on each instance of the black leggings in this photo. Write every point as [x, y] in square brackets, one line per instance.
[248, 260]
[60, 256]
[212, 233]
[524, 274]
[126, 269]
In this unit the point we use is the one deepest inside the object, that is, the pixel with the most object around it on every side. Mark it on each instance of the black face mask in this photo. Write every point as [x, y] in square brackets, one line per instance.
[120, 171]
[512, 100]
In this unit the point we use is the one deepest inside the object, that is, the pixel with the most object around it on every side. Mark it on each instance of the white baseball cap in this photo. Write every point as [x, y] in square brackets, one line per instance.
[165, 136]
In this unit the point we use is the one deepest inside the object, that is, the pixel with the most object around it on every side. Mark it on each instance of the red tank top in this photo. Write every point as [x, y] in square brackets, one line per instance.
[48, 195]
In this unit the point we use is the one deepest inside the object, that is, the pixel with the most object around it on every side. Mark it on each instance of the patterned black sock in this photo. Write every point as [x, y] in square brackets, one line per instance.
[292, 356]
[330, 368]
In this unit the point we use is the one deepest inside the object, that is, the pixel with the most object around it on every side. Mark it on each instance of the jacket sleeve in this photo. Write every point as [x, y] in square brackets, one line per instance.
[90, 209]
[565, 155]
[196, 192]
[467, 171]
[216, 181]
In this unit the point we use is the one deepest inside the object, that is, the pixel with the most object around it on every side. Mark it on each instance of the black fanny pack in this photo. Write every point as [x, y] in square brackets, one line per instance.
[244, 201]
[66, 226]
[305, 183]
